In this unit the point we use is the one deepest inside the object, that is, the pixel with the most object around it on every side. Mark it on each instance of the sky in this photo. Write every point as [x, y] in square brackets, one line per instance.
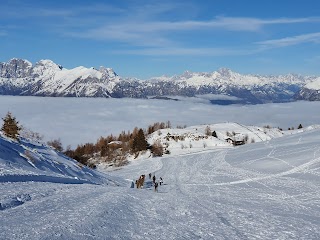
[147, 38]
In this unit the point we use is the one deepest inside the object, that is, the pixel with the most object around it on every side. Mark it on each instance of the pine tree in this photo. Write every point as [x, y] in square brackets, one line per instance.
[139, 142]
[214, 134]
[10, 126]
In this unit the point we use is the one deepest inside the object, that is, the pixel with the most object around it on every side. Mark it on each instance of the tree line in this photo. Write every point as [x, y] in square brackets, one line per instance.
[116, 149]
[110, 149]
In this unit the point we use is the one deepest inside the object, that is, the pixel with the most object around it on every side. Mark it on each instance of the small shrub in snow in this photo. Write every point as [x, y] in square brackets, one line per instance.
[29, 156]
[27, 133]
[56, 144]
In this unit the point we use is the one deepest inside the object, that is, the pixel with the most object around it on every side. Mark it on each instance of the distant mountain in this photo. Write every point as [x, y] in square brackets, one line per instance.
[309, 92]
[46, 78]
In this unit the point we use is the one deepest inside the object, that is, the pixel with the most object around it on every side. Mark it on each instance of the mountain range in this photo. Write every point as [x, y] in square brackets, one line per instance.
[46, 78]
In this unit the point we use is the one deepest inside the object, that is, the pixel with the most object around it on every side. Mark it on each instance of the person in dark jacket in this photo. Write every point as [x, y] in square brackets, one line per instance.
[156, 187]
[161, 181]
[154, 179]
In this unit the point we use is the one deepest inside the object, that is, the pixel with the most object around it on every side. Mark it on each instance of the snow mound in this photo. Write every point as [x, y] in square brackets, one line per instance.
[195, 139]
[26, 160]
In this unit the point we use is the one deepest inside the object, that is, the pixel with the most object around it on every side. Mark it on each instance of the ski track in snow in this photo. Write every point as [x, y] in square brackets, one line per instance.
[260, 191]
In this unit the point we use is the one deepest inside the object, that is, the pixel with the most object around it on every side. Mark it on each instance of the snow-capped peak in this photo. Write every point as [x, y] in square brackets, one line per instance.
[107, 72]
[314, 85]
[49, 64]
[16, 60]
[225, 72]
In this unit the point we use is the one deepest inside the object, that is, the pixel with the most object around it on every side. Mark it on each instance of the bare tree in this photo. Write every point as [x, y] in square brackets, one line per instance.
[208, 131]
[56, 144]
[157, 149]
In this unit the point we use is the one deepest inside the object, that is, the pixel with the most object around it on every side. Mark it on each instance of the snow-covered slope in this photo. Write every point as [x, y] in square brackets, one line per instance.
[27, 160]
[266, 190]
[195, 139]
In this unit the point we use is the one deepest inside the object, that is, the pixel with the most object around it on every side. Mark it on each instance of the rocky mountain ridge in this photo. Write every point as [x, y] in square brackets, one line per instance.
[46, 78]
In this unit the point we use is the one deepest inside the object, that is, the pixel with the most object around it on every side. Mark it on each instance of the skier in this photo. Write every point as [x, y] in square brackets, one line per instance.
[154, 179]
[156, 187]
[161, 181]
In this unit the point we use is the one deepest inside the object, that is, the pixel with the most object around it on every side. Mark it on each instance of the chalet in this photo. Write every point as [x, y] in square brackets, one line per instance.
[235, 141]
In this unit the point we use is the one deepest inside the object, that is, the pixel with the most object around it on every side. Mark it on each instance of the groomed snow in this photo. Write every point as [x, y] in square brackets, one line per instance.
[266, 190]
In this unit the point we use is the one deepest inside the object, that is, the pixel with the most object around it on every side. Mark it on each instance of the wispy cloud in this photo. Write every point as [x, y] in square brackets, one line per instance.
[290, 41]
[177, 51]
[225, 23]
[23, 10]
[152, 33]
[146, 26]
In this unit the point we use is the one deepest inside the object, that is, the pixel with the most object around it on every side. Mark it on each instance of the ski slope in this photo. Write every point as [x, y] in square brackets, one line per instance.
[266, 190]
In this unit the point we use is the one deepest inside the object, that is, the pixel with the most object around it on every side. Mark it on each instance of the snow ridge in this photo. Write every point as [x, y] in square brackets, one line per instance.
[46, 78]
[28, 160]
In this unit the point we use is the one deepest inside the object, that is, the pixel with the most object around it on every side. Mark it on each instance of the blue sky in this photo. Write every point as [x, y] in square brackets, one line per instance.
[145, 38]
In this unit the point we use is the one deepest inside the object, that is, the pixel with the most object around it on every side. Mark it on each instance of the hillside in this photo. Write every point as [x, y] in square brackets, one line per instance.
[266, 190]
[195, 138]
[27, 160]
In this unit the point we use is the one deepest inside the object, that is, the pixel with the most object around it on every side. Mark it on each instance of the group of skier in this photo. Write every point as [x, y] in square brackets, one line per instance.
[155, 183]
[140, 182]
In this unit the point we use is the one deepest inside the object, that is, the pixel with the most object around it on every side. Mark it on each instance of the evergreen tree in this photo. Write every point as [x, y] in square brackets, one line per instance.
[214, 134]
[10, 126]
[139, 142]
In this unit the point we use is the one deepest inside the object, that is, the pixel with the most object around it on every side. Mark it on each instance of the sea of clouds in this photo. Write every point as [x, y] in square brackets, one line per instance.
[81, 120]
